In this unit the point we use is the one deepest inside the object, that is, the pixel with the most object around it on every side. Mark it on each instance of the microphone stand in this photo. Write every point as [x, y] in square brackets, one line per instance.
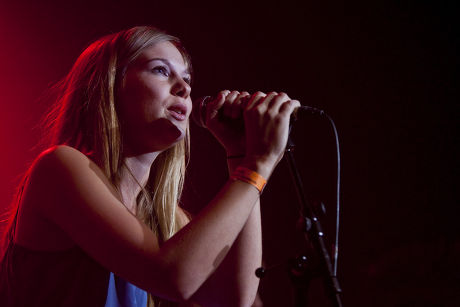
[313, 233]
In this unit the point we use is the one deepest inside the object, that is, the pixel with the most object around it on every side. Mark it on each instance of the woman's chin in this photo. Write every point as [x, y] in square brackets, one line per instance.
[181, 133]
[160, 136]
[173, 133]
[168, 138]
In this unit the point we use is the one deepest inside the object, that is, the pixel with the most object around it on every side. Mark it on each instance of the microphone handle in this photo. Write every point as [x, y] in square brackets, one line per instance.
[199, 116]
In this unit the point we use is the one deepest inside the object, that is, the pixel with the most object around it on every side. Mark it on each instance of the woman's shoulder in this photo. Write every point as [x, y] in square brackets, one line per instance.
[62, 160]
[46, 180]
[66, 190]
[64, 170]
[61, 154]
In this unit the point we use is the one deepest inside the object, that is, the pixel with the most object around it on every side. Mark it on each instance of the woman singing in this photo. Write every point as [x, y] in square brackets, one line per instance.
[96, 220]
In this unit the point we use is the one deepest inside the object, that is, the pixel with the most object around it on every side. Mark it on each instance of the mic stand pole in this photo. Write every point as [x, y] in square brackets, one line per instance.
[313, 233]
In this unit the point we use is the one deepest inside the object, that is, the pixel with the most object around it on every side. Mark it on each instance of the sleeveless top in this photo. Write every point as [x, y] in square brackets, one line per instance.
[51, 278]
[67, 278]
[124, 294]
[63, 278]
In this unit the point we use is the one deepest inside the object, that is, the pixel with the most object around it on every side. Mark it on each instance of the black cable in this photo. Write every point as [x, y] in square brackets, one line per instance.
[337, 220]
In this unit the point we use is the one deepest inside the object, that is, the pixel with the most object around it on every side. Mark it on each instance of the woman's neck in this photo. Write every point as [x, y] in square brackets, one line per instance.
[134, 175]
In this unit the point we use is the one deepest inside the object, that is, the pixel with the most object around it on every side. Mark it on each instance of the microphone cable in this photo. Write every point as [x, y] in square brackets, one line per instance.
[337, 216]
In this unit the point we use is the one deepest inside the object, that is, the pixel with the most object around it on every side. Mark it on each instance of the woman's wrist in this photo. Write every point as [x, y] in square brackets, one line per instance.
[233, 161]
[249, 176]
[261, 165]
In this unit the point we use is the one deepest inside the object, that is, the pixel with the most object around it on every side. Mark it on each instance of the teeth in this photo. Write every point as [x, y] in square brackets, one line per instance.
[178, 111]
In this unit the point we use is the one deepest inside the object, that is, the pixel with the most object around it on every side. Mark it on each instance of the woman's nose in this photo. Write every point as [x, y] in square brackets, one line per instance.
[181, 88]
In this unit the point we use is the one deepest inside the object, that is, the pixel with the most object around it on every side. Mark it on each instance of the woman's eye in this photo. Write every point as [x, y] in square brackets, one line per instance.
[162, 70]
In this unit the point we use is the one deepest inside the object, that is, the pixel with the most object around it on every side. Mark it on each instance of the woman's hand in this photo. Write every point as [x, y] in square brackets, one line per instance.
[224, 118]
[266, 126]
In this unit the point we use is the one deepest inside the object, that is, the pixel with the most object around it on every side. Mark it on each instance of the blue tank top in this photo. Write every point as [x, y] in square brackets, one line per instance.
[121, 293]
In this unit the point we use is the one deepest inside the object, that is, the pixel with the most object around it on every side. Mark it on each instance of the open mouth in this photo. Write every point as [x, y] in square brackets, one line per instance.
[179, 112]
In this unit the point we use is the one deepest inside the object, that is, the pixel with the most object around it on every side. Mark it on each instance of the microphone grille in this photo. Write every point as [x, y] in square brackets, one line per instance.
[199, 111]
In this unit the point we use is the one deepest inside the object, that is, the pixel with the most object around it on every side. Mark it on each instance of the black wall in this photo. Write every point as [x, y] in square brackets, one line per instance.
[385, 71]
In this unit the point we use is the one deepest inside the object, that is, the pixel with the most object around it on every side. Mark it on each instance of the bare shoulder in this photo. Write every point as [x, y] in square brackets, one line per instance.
[70, 192]
[57, 175]
[55, 158]
[62, 150]
[61, 156]
[64, 165]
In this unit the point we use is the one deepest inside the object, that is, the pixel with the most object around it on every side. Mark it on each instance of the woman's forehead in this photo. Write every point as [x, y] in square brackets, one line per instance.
[164, 50]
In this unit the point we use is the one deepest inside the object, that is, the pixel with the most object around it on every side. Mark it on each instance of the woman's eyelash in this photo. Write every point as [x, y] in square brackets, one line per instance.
[187, 80]
[161, 69]
[165, 71]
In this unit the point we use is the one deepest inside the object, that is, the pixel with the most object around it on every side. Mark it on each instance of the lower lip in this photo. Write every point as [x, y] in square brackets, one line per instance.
[178, 116]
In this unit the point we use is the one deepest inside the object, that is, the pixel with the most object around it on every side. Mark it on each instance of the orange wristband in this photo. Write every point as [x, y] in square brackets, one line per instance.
[249, 176]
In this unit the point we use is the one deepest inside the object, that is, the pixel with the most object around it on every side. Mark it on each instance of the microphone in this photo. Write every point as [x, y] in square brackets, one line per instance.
[199, 111]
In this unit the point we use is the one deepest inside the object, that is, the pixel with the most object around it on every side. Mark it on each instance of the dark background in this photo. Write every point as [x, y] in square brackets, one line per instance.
[385, 71]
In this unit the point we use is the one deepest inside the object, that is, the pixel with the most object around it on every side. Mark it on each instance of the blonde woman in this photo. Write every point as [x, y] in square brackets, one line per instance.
[96, 219]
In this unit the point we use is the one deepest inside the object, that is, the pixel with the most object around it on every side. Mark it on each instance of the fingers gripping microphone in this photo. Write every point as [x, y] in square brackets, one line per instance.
[199, 111]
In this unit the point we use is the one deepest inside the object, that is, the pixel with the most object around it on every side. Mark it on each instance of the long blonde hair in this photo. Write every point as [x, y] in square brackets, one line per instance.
[85, 117]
